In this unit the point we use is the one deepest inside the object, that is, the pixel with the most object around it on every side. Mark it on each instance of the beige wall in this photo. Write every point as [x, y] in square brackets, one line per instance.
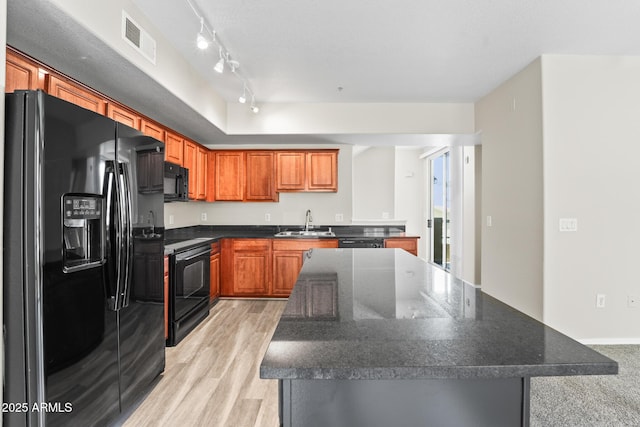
[373, 183]
[591, 152]
[510, 119]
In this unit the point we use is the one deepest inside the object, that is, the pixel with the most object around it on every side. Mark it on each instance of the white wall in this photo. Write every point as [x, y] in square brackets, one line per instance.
[332, 118]
[409, 190]
[510, 119]
[591, 152]
[103, 19]
[472, 213]
[373, 183]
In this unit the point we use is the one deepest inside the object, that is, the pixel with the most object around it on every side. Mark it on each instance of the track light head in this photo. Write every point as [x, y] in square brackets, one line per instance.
[201, 40]
[242, 99]
[219, 67]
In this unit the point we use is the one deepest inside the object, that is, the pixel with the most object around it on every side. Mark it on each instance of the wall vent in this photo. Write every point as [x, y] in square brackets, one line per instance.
[138, 38]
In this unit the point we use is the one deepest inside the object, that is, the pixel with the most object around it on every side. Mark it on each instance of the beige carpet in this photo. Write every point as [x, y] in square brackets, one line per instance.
[597, 400]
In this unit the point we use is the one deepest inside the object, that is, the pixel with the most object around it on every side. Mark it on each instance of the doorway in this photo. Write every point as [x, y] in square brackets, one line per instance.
[440, 209]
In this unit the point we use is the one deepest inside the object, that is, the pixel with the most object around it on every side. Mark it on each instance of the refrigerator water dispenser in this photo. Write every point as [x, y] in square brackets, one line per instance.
[83, 231]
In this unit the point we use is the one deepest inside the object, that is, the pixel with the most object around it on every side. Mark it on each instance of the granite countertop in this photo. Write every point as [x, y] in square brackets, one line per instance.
[384, 314]
[187, 237]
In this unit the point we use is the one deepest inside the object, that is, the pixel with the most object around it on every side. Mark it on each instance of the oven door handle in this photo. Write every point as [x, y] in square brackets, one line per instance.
[189, 255]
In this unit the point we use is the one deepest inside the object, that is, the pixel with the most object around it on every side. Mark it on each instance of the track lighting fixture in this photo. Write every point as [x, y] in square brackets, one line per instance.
[219, 67]
[201, 40]
[205, 37]
[253, 107]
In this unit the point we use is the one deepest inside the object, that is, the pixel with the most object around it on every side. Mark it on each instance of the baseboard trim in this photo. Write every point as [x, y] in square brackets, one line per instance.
[610, 341]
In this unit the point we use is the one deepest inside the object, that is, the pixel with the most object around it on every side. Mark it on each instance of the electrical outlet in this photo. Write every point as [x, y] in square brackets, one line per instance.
[600, 300]
[633, 301]
[489, 221]
[203, 216]
[267, 217]
[170, 219]
[568, 224]
[339, 217]
[385, 215]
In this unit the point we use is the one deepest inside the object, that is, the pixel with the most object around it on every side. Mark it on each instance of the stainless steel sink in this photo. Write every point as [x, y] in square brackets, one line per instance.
[302, 233]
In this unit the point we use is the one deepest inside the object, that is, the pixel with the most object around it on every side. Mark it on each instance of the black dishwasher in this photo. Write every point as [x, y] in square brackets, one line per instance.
[361, 242]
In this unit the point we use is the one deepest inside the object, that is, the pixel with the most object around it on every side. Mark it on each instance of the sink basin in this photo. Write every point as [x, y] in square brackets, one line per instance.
[303, 233]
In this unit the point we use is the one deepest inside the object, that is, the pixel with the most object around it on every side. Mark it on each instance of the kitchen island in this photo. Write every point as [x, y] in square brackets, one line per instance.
[377, 337]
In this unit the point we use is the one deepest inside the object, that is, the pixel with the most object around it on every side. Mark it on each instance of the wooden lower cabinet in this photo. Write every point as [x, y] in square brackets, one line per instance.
[288, 257]
[409, 244]
[264, 267]
[214, 279]
[246, 267]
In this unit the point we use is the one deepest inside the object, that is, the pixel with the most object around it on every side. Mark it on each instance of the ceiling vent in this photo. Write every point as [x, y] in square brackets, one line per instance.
[138, 38]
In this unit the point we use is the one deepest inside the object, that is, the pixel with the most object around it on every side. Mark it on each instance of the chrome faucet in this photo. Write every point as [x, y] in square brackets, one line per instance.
[307, 220]
[152, 220]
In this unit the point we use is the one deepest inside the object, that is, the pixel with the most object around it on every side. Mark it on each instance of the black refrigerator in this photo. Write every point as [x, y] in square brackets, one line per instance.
[84, 337]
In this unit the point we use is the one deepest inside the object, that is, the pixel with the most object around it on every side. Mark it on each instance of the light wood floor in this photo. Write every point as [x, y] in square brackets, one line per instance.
[211, 378]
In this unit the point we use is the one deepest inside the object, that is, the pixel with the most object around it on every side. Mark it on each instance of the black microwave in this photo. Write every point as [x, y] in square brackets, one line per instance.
[176, 183]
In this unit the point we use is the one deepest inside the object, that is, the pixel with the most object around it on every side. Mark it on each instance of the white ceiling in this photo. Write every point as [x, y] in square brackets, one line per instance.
[391, 51]
[303, 50]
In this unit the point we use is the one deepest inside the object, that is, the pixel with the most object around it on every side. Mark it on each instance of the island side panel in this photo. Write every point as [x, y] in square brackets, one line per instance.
[405, 403]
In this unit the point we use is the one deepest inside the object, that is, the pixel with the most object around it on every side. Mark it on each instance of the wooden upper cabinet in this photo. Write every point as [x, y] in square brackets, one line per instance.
[211, 177]
[290, 168]
[152, 129]
[201, 172]
[123, 115]
[260, 176]
[22, 74]
[190, 162]
[322, 171]
[229, 179]
[307, 171]
[76, 94]
[173, 149]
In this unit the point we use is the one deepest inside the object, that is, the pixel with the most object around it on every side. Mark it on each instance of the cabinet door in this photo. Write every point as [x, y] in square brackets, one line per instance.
[123, 115]
[201, 173]
[75, 94]
[150, 165]
[173, 150]
[214, 280]
[22, 73]
[409, 244]
[190, 162]
[290, 167]
[229, 175]
[152, 129]
[211, 177]
[322, 171]
[260, 180]
[251, 267]
[286, 267]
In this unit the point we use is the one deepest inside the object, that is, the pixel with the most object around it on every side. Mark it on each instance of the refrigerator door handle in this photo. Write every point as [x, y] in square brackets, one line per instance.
[113, 236]
[127, 234]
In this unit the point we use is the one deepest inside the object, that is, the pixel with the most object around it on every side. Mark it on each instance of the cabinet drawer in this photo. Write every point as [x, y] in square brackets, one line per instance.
[251, 244]
[303, 244]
